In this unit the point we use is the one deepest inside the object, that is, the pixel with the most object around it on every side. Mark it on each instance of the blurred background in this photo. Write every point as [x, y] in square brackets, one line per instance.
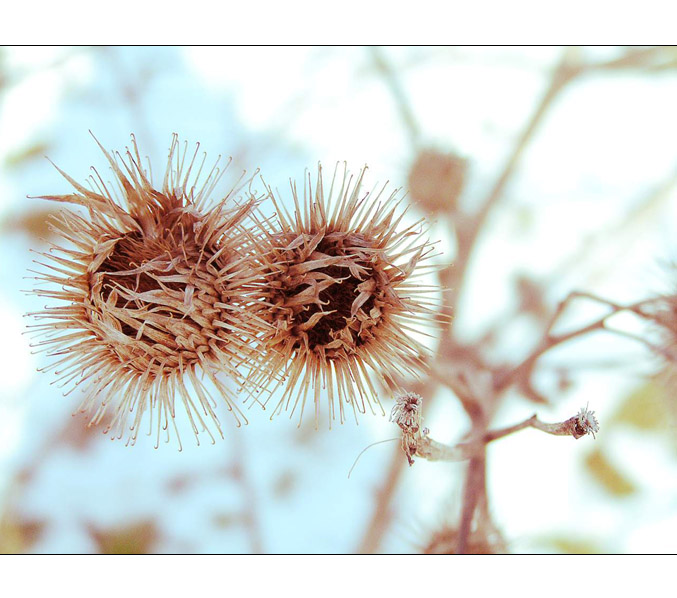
[574, 150]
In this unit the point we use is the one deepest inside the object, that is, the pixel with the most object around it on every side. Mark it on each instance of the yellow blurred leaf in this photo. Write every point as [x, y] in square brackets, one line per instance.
[645, 408]
[226, 520]
[25, 154]
[133, 539]
[573, 545]
[18, 535]
[608, 477]
[34, 223]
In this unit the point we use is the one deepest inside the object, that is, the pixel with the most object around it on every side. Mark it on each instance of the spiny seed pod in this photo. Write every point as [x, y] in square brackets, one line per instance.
[343, 295]
[156, 292]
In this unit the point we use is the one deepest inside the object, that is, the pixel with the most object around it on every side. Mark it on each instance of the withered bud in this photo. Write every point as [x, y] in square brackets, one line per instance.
[407, 412]
[436, 180]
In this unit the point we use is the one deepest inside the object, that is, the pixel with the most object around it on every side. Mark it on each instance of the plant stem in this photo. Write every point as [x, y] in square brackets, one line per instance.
[474, 489]
[467, 238]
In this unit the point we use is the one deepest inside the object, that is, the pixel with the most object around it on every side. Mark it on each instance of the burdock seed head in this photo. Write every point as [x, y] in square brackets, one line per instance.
[343, 295]
[436, 180]
[153, 292]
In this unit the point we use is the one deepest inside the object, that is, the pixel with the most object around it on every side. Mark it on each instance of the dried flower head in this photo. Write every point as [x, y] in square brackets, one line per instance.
[155, 287]
[341, 284]
[407, 412]
[436, 180]
[586, 423]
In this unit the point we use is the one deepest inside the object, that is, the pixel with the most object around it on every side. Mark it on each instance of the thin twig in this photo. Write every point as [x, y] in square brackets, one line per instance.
[467, 238]
[250, 516]
[629, 226]
[401, 100]
[454, 277]
[577, 426]
[636, 58]
[549, 341]
[486, 526]
[382, 514]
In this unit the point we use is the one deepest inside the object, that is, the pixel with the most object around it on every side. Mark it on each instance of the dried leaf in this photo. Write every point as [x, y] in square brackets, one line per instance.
[134, 539]
[18, 535]
[26, 154]
[607, 475]
[573, 545]
[644, 408]
[34, 223]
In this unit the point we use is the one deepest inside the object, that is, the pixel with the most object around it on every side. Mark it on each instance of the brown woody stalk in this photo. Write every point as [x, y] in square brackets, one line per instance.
[416, 440]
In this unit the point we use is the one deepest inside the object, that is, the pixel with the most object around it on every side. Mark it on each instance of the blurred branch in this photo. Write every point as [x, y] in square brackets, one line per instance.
[250, 515]
[402, 103]
[11, 78]
[382, 515]
[431, 450]
[640, 58]
[456, 367]
[416, 441]
[469, 231]
[521, 374]
[475, 489]
[454, 277]
[486, 526]
[644, 213]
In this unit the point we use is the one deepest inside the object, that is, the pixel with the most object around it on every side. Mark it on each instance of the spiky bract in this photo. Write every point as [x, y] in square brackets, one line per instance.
[343, 296]
[155, 287]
